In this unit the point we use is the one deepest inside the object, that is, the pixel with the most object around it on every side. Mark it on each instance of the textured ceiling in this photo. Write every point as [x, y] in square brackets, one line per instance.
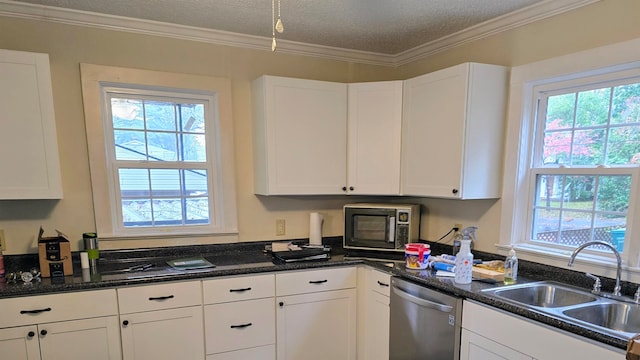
[379, 26]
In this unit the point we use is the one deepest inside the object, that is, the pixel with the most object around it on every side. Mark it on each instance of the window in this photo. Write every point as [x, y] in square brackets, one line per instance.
[160, 165]
[571, 169]
[586, 148]
[158, 151]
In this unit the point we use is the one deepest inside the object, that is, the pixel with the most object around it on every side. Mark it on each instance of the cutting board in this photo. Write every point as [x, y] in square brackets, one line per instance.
[481, 273]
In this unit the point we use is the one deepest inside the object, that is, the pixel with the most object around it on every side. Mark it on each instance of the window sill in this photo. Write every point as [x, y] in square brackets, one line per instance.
[600, 265]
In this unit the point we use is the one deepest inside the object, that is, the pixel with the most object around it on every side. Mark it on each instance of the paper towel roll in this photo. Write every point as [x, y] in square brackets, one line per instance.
[84, 260]
[315, 228]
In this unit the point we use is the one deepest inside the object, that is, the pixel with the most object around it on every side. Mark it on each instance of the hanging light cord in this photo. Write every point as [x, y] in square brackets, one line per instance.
[275, 25]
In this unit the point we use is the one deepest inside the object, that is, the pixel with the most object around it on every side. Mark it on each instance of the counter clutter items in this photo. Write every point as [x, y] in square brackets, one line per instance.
[290, 252]
[55, 255]
[250, 259]
[417, 256]
[492, 271]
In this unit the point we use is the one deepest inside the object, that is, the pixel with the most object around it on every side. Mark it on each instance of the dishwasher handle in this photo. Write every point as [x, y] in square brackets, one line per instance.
[420, 301]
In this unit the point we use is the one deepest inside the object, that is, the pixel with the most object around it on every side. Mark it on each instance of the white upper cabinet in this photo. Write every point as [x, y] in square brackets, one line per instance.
[453, 129]
[374, 132]
[28, 146]
[300, 136]
[324, 138]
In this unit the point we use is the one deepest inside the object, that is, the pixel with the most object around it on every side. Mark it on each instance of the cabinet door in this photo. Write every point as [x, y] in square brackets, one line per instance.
[453, 126]
[165, 334]
[433, 132]
[317, 326]
[300, 133]
[374, 131]
[526, 336]
[28, 145]
[476, 347]
[377, 327]
[97, 338]
[20, 343]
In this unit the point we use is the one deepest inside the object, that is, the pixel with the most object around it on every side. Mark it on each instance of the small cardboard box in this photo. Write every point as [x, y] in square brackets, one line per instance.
[633, 348]
[55, 255]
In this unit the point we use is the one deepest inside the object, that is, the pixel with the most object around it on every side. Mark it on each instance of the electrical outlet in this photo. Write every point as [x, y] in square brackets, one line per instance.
[3, 241]
[280, 227]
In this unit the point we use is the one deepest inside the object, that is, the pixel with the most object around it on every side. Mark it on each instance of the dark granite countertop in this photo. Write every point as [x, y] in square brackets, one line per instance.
[250, 258]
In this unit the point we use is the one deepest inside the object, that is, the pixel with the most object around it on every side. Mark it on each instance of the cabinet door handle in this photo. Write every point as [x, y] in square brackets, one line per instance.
[318, 281]
[241, 326]
[160, 298]
[351, 188]
[281, 303]
[344, 188]
[38, 311]
[31, 334]
[382, 284]
[43, 332]
[455, 191]
[240, 290]
[125, 323]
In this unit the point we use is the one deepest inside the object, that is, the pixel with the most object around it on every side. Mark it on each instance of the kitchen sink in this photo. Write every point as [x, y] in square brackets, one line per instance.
[616, 316]
[603, 313]
[545, 294]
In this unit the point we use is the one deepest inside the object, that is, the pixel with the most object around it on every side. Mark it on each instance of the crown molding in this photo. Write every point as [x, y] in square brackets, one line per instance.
[522, 17]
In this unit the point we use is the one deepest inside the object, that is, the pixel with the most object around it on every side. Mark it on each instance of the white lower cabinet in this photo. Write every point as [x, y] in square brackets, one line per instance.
[73, 326]
[490, 334]
[239, 317]
[316, 319]
[373, 314]
[81, 339]
[477, 347]
[20, 343]
[162, 321]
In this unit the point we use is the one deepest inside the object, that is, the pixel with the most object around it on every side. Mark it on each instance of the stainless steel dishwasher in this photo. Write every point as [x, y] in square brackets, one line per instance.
[424, 323]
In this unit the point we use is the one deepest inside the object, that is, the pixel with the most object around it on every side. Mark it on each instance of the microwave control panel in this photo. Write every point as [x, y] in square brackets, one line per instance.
[402, 227]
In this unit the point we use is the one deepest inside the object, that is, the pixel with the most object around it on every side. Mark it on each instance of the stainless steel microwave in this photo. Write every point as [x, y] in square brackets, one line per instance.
[381, 226]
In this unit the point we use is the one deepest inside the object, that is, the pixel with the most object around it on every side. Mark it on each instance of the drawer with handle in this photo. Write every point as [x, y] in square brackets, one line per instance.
[58, 307]
[159, 297]
[380, 282]
[239, 325]
[308, 281]
[238, 288]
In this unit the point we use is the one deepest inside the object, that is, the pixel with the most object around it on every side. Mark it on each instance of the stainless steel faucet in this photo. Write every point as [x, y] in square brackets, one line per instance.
[616, 289]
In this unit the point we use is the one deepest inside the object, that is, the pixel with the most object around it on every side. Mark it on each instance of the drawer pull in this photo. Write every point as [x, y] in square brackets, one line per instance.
[318, 282]
[31, 334]
[240, 290]
[43, 332]
[160, 298]
[242, 326]
[382, 284]
[38, 311]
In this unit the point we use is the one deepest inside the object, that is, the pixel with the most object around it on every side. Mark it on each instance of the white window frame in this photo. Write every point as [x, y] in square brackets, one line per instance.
[97, 82]
[600, 64]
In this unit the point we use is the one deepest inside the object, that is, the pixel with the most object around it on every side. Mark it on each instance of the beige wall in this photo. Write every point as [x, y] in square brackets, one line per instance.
[605, 22]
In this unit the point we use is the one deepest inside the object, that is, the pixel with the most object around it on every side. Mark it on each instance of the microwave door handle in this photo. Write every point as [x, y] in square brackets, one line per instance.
[392, 229]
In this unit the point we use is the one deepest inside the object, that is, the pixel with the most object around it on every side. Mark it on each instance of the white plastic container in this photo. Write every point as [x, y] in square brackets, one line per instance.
[417, 256]
[464, 263]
